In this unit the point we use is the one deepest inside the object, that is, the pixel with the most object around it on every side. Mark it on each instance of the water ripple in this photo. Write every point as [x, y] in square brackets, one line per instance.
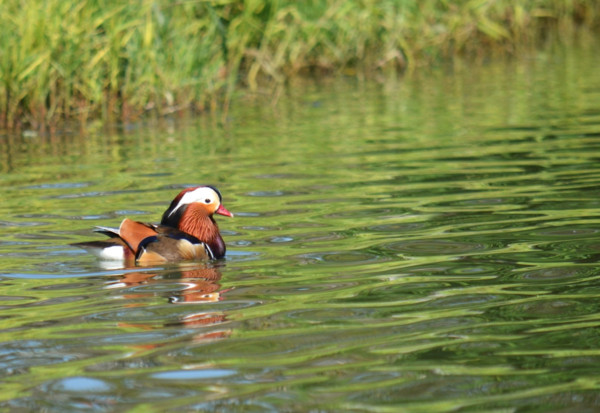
[430, 245]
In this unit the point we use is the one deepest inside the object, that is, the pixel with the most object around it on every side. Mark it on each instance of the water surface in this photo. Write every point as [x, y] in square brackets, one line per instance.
[425, 244]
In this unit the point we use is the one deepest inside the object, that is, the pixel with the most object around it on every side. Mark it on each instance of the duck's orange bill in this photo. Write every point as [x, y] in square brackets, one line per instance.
[223, 211]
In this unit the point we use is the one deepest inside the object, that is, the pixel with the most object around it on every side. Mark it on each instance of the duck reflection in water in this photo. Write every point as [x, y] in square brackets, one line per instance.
[194, 284]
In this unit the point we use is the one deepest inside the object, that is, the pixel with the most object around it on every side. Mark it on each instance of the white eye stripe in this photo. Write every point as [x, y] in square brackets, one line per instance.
[197, 195]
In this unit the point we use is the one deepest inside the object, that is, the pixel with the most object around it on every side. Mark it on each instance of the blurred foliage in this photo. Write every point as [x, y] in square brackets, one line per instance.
[105, 58]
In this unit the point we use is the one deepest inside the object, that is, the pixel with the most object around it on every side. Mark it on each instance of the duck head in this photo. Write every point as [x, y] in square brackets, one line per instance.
[192, 212]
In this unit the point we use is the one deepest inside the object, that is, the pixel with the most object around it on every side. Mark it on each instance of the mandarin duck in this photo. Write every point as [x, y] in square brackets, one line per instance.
[187, 231]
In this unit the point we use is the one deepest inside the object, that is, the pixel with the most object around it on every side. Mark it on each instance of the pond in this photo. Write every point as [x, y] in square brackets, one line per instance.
[427, 244]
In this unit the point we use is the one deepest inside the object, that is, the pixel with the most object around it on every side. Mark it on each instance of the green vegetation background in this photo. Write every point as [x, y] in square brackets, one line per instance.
[112, 59]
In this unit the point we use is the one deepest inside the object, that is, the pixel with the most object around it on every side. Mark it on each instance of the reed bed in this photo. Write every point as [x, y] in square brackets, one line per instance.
[110, 59]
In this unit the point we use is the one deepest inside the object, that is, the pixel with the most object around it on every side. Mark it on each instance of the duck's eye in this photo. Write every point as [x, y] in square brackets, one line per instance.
[207, 201]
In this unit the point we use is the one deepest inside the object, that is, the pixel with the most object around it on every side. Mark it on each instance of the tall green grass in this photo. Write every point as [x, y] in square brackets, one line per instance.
[113, 59]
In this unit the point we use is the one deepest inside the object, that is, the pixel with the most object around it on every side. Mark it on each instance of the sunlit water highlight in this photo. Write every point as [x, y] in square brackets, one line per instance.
[427, 244]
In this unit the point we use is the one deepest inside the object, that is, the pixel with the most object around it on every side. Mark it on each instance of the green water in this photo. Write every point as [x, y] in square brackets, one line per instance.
[424, 244]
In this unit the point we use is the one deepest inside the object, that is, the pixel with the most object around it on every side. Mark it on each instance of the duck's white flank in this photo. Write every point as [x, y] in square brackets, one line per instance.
[116, 253]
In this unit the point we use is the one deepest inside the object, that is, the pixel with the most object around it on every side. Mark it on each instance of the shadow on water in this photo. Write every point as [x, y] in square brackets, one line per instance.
[428, 244]
[198, 285]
